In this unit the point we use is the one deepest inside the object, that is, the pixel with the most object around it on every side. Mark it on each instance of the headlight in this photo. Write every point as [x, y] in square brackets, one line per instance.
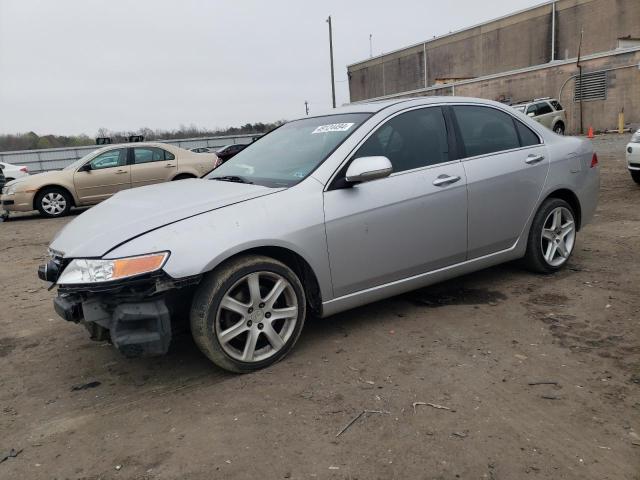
[83, 270]
[10, 190]
[635, 138]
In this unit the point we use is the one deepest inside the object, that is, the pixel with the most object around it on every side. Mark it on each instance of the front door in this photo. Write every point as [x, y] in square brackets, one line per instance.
[411, 222]
[107, 174]
[151, 165]
[506, 165]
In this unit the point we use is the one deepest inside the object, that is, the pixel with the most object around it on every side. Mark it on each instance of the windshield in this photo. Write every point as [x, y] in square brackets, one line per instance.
[287, 155]
[80, 161]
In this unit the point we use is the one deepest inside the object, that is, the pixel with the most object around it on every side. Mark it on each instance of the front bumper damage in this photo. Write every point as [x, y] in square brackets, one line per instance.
[139, 317]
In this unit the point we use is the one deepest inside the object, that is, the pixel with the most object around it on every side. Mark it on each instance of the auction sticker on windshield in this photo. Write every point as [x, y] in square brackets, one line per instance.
[333, 127]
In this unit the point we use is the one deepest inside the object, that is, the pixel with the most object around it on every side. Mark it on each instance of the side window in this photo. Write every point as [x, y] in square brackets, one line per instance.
[527, 136]
[485, 130]
[556, 105]
[532, 109]
[544, 108]
[410, 140]
[171, 156]
[147, 154]
[109, 159]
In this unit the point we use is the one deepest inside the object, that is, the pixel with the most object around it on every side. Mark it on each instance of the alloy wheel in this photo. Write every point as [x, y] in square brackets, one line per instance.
[558, 236]
[54, 203]
[256, 316]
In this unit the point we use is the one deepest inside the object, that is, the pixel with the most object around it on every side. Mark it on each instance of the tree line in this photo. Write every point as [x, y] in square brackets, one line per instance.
[32, 141]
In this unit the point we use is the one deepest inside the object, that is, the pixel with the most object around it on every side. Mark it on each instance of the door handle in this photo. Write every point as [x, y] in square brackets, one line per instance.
[120, 171]
[533, 158]
[445, 180]
[169, 165]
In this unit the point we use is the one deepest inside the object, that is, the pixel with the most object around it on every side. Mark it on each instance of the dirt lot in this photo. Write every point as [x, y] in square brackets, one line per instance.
[472, 345]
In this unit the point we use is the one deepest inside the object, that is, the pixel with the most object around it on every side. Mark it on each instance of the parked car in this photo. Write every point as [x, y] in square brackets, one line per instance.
[227, 152]
[3, 179]
[321, 215]
[100, 174]
[11, 172]
[633, 156]
[546, 111]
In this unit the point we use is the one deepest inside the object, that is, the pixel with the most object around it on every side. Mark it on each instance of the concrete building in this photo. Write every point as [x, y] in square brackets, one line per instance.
[528, 54]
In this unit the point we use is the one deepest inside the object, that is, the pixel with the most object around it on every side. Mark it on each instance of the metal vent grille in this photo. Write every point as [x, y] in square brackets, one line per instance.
[592, 87]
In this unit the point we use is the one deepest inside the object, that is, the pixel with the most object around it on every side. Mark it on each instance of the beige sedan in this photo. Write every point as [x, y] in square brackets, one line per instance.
[100, 174]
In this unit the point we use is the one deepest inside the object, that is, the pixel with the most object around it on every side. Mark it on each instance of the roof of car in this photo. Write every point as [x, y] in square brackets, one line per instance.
[377, 106]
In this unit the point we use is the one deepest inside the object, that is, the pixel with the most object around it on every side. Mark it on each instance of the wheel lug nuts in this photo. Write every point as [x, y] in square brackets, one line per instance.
[267, 315]
[260, 326]
[261, 305]
[249, 323]
[250, 310]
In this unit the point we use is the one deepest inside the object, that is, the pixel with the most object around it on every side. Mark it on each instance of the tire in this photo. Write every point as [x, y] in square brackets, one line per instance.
[182, 177]
[551, 238]
[53, 202]
[225, 336]
[559, 128]
[635, 174]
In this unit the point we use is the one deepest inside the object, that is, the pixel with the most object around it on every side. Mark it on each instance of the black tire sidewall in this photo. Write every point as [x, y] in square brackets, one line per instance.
[219, 356]
[635, 175]
[534, 257]
[62, 192]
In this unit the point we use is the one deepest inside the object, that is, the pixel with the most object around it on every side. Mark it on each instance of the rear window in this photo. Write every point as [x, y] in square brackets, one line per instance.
[485, 130]
[556, 105]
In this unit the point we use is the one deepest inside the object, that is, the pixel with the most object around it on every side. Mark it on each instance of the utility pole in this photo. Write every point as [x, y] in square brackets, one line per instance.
[333, 84]
[370, 45]
[581, 84]
[306, 107]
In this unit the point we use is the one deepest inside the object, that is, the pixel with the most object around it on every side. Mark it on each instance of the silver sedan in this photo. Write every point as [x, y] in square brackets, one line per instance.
[321, 215]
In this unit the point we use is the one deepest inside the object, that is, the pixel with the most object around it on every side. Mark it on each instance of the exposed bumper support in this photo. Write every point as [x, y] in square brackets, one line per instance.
[136, 328]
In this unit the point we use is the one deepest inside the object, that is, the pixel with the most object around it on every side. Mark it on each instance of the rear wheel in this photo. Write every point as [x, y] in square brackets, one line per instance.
[248, 313]
[559, 128]
[53, 202]
[635, 174]
[552, 237]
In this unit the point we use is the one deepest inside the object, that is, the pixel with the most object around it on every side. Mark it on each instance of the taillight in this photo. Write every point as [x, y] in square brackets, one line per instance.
[594, 160]
[24, 169]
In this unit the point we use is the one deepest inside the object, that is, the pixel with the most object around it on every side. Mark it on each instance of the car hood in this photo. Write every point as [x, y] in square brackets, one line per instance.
[38, 178]
[131, 213]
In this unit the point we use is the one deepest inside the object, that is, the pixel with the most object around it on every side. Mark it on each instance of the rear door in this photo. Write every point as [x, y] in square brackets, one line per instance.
[545, 114]
[406, 224]
[151, 165]
[108, 174]
[506, 165]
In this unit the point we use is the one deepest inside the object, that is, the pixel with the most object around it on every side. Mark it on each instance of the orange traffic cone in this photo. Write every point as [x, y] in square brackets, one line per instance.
[590, 134]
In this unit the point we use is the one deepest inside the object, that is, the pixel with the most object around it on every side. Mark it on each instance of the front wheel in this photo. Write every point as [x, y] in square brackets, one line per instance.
[559, 128]
[552, 237]
[248, 313]
[635, 174]
[53, 202]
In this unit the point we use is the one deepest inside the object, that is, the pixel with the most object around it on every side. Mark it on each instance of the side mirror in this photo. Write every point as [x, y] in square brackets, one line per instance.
[85, 168]
[365, 169]
[531, 114]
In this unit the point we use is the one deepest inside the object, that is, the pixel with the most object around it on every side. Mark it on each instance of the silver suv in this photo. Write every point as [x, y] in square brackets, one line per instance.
[546, 111]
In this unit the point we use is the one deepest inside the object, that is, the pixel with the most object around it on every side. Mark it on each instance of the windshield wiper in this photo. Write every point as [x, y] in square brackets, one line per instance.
[231, 178]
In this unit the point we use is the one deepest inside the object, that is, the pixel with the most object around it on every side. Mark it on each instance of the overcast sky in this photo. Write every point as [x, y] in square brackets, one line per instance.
[73, 66]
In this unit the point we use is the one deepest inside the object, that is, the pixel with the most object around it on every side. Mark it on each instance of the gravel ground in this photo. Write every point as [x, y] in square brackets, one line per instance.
[473, 345]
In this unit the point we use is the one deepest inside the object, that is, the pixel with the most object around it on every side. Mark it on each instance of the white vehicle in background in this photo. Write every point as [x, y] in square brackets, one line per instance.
[11, 172]
[633, 157]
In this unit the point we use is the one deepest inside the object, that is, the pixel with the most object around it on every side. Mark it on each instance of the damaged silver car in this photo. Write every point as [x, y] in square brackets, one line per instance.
[321, 215]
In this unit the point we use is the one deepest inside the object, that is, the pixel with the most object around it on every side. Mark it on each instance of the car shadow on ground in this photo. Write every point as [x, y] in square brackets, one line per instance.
[19, 217]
